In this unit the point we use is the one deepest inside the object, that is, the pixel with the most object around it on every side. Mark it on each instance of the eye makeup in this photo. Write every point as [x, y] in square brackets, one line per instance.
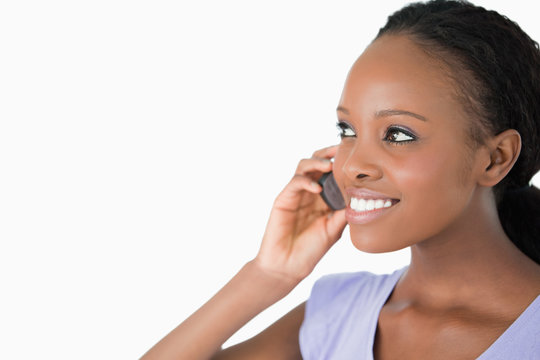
[399, 136]
[394, 134]
[344, 129]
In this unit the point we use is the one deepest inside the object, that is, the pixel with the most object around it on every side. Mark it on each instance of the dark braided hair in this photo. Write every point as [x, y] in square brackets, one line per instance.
[496, 69]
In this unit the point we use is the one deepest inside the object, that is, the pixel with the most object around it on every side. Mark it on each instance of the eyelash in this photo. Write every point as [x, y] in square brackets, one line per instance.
[343, 127]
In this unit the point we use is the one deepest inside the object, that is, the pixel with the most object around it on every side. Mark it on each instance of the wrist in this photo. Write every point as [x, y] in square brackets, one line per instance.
[278, 282]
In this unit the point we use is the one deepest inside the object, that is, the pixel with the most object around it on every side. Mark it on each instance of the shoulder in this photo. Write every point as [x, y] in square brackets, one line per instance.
[341, 290]
[341, 305]
[336, 288]
[521, 340]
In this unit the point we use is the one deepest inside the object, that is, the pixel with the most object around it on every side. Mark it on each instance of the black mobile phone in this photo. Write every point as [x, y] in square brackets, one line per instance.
[331, 193]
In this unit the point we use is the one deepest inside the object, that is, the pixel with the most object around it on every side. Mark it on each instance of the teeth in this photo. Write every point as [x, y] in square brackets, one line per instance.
[361, 205]
[370, 204]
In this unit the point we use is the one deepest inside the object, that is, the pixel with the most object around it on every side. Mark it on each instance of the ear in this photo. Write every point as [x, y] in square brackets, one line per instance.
[503, 152]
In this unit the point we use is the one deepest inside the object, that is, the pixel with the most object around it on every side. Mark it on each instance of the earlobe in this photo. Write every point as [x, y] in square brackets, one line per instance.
[504, 150]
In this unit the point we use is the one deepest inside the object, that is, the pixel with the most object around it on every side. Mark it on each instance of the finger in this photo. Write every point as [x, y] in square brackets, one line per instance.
[327, 152]
[313, 164]
[292, 193]
[335, 225]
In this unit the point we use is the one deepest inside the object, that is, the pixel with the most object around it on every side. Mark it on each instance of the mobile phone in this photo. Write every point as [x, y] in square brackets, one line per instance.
[330, 192]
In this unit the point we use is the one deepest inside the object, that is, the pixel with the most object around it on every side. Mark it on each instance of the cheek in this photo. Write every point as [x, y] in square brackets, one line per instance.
[339, 159]
[433, 177]
[434, 192]
[422, 174]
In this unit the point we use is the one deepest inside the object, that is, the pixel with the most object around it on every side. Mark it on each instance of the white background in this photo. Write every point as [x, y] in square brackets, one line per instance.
[141, 147]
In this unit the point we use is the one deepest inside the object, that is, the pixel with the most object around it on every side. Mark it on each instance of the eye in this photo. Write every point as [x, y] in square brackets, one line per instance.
[398, 136]
[345, 130]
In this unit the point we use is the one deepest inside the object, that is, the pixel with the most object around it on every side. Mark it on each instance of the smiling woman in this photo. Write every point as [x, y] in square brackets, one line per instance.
[439, 123]
[393, 74]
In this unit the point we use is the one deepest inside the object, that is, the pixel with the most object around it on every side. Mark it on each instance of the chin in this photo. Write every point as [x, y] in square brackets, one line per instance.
[376, 244]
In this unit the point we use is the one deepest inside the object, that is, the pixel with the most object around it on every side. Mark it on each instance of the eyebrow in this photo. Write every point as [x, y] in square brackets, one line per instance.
[388, 112]
[343, 110]
[391, 112]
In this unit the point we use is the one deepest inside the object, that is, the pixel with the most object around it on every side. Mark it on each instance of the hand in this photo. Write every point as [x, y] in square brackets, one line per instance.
[301, 228]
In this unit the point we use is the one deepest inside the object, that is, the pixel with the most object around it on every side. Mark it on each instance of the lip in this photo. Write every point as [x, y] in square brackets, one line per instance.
[363, 217]
[366, 194]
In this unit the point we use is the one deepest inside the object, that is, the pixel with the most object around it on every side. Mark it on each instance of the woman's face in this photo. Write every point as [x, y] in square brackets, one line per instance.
[403, 137]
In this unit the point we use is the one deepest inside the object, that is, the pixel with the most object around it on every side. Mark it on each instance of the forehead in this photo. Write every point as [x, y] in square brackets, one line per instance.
[394, 72]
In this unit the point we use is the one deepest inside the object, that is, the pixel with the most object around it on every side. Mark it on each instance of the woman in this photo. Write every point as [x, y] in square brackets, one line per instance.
[439, 120]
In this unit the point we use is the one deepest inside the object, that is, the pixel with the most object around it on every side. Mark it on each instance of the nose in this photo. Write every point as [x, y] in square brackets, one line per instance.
[362, 163]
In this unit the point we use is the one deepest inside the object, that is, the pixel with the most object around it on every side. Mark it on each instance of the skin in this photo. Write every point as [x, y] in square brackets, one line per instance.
[461, 256]
[466, 282]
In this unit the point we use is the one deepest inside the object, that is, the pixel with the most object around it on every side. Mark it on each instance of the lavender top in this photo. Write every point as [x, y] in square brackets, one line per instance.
[343, 310]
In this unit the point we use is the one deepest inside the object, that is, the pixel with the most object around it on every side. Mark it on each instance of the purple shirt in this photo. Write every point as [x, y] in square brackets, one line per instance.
[343, 310]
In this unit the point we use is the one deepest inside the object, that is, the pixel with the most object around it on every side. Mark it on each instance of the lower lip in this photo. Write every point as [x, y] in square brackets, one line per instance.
[363, 217]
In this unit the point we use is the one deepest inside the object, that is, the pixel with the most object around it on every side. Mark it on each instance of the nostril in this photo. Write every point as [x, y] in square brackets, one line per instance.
[360, 176]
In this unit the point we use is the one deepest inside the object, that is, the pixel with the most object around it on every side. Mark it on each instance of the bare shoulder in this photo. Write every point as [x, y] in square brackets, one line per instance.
[278, 341]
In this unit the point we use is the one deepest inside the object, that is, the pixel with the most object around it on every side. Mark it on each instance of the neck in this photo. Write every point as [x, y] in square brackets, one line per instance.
[472, 258]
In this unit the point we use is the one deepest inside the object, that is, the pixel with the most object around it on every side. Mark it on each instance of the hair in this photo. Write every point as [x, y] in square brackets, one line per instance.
[495, 67]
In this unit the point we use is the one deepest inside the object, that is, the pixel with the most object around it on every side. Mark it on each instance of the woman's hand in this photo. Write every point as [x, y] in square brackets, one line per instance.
[301, 228]
[299, 232]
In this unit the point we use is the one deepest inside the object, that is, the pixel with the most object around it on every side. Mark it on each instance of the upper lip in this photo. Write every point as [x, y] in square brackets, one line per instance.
[362, 193]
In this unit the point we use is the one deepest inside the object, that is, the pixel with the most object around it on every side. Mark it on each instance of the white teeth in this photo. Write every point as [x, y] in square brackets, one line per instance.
[370, 204]
[361, 205]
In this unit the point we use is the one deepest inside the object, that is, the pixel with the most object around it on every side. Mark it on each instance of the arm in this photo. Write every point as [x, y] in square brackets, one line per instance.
[201, 335]
[301, 229]
[278, 341]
